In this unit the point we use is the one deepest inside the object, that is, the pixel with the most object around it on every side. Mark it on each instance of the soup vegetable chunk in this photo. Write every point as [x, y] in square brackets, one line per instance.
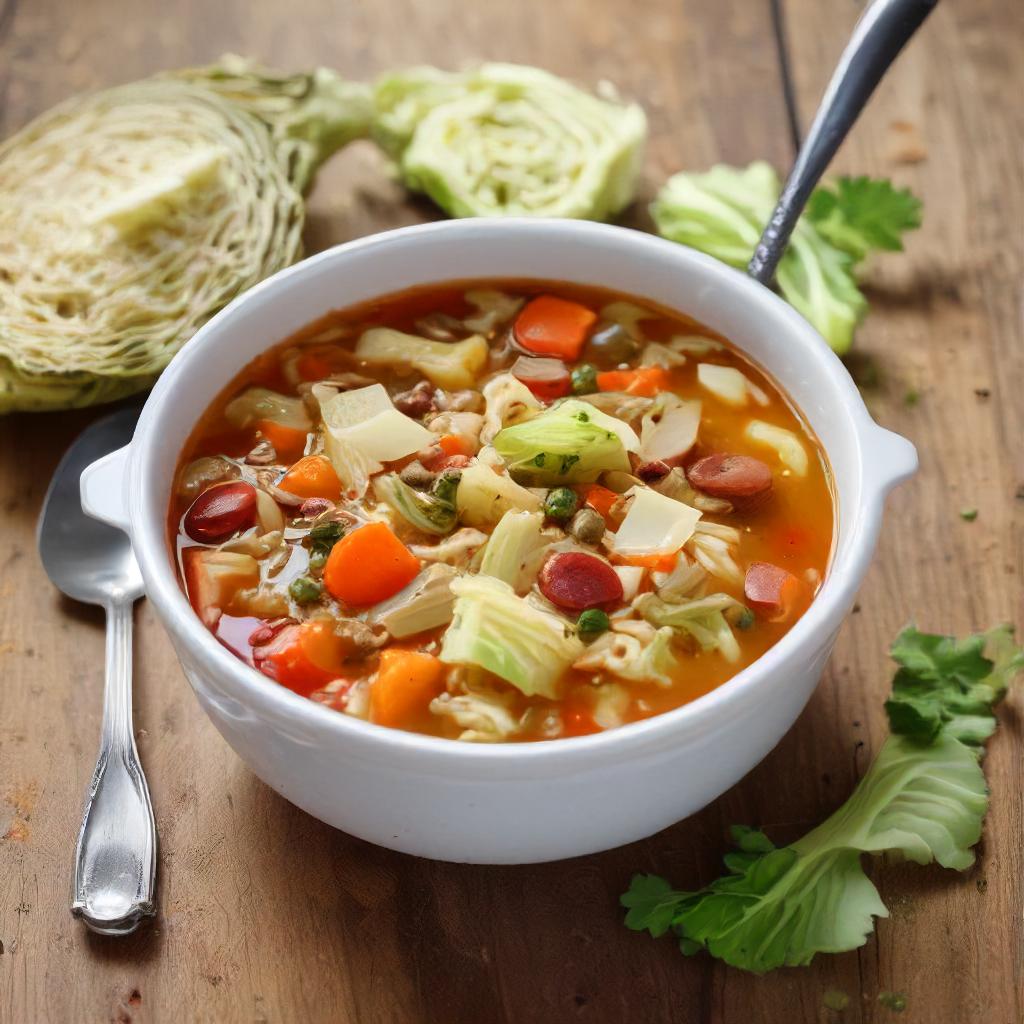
[501, 511]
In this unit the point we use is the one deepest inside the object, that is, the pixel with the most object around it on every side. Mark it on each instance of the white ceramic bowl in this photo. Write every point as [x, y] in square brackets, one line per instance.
[513, 803]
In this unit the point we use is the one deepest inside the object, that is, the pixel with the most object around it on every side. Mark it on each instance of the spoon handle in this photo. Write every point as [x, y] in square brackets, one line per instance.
[879, 36]
[115, 860]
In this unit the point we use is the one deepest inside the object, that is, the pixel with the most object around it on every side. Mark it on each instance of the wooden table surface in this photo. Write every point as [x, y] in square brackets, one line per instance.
[269, 915]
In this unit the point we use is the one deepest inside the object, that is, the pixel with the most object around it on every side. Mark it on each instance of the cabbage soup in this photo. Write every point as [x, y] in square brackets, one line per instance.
[501, 511]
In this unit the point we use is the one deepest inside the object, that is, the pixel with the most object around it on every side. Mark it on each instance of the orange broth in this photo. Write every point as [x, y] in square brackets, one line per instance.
[792, 530]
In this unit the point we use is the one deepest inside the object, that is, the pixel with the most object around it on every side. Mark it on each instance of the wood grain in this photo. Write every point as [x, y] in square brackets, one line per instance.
[268, 915]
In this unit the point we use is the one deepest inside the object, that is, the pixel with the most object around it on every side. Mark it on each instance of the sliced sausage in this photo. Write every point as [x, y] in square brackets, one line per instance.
[547, 379]
[221, 511]
[771, 591]
[736, 477]
[576, 580]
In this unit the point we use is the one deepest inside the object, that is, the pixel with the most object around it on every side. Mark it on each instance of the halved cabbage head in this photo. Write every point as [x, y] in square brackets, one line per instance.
[129, 217]
[506, 139]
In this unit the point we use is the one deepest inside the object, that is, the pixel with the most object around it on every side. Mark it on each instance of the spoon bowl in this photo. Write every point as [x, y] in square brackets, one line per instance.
[85, 559]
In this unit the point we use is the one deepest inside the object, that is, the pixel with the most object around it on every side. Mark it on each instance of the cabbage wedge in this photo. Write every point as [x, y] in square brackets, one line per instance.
[506, 139]
[128, 217]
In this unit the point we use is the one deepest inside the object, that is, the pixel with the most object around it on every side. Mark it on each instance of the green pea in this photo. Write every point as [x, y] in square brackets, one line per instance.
[304, 590]
[584, 379]
[560, 504]
[592, 623]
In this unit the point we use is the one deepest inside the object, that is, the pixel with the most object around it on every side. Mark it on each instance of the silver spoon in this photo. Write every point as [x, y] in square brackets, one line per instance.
[115, 860]
[881, 33]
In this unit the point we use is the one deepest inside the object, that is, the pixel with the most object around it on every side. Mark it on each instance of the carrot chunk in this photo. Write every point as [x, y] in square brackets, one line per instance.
[288, 442]
[656, 563]
[600, 499]
[306, 657]
[406, 683]
[314, 366]
[455, 444]
[645, 380]
[369, 565]
[312, 477]
[554, 327]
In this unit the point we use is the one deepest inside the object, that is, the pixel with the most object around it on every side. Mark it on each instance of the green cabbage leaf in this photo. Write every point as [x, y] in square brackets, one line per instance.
[723, 211]
[923, 799]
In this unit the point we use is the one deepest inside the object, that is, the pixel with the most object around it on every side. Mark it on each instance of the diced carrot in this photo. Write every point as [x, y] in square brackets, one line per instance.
[599, 498]
[455, 444]
[288, 442]
[645, 380]
[308, 656]
[554, 327]
[313, 366]
[312, 477]
[657, 563]
[369, 565]
[406, 683]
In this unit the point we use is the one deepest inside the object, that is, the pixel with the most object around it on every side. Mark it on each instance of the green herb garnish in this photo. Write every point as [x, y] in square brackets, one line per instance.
[923, 798]
[968, 515]
[584, 379]
[323, 537]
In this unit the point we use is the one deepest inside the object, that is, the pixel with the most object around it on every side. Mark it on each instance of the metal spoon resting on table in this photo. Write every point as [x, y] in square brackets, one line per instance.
[881, 33]
[115, 860]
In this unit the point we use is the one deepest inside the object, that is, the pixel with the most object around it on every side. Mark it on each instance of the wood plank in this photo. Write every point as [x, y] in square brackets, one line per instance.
[266, 913]
[945, 326]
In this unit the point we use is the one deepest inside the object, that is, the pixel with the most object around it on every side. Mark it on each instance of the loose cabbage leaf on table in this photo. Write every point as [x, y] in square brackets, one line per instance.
[923, 799]
[723, 211]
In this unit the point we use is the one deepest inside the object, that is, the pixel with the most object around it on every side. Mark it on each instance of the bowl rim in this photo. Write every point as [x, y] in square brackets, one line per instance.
[850, 560]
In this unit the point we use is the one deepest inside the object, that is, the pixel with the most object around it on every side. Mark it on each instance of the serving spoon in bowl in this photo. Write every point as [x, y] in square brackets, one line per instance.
[115, 859]
[881, 33]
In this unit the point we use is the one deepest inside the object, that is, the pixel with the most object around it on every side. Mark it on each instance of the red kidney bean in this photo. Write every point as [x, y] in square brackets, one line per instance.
[221, 511]
[730, 476]
[579, 581]
[651, 471]
[770, 590]
[417, 401]
[313, 507]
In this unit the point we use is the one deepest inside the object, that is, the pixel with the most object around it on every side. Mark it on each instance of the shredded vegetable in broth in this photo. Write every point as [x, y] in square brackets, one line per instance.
[501, 511]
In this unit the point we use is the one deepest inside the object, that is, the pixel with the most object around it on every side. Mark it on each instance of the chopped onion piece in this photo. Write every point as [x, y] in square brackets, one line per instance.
[724, 382]
[654, 524]
[631, 576]
[694, 344]
[367, 419]
[787, 445]
[390, 435]
[673, 433]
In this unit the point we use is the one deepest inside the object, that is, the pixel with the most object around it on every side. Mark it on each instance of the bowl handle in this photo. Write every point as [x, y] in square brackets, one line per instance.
[102, 489]
[892, 459]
